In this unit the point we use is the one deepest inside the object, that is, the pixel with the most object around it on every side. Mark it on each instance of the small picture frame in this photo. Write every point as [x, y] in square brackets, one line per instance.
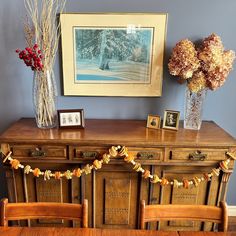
[73, 118]
[171, 120]
[154, 121]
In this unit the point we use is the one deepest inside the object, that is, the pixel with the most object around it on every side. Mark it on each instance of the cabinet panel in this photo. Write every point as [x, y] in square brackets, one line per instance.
[192, 195]
[39, 190]
[44, 193]
[117, 201]
[116, 198]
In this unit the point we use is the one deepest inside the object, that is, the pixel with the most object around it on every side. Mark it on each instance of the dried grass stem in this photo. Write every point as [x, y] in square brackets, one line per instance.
[44, 31]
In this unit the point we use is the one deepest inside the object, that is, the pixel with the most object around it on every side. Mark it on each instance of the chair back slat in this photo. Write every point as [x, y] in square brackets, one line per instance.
[201, 213]
[44, 210]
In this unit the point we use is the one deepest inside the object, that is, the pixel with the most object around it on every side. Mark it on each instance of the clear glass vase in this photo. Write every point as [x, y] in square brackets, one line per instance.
[44, 99]
[193, 109]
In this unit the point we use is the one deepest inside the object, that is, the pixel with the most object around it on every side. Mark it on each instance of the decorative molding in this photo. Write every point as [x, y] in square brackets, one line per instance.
[232, 210]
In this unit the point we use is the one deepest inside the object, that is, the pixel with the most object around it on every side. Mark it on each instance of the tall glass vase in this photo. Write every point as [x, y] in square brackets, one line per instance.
[193, 109]
[44, 99]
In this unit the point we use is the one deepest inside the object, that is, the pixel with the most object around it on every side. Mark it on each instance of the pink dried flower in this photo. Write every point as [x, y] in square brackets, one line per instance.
[215, 62]
[208, 67]
[198, 82]
[184, 61]
[217, 77]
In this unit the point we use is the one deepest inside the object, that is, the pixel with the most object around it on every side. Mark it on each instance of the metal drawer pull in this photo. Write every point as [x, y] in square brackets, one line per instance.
[147, 155]
[89, 154]
[197, 156]
[37, 153]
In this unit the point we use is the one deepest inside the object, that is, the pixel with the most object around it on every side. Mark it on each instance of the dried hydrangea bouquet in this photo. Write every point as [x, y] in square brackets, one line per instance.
[42, 37]
[203, 68]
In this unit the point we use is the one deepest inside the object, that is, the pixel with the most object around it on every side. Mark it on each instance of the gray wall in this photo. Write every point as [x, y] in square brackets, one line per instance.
[187, 18]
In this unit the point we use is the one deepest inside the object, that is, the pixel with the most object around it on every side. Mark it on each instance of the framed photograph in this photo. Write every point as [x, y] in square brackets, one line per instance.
[171, 120]
[113, 54]
[73, 118]
[154, 121]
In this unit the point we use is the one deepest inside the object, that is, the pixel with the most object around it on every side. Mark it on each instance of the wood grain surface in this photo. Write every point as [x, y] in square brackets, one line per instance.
[117, 131]
[24, 231]
[207, 234]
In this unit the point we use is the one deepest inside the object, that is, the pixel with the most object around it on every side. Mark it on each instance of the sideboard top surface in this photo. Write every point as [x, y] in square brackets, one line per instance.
[113, 132]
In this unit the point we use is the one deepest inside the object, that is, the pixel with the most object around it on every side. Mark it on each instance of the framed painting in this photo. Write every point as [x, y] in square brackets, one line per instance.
[109, 54]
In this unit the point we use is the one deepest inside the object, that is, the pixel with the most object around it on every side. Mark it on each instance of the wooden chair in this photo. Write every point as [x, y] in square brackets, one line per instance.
[43, 210]
[202, 213]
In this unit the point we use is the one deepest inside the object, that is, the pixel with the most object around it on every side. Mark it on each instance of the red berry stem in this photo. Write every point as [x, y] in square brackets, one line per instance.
[32, 57]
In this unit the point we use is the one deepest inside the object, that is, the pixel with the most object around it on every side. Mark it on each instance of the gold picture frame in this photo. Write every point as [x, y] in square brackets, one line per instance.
[171, 120]
[113, 54]
[154, 122]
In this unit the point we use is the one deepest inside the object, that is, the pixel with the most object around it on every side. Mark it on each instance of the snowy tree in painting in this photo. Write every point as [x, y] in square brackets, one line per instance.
[110, 48]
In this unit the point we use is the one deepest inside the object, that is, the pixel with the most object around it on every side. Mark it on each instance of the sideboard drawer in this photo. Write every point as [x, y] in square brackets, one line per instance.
[39, 151]
[197, 154]
[146, 153]
[87, 152]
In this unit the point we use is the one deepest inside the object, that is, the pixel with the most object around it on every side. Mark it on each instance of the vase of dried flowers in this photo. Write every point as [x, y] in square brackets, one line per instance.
[193, 108]
[203, 68]
[42, 37]
[44, 99]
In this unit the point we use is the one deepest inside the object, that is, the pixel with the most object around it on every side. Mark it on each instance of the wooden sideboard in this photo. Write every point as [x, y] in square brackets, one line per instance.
[114, 192]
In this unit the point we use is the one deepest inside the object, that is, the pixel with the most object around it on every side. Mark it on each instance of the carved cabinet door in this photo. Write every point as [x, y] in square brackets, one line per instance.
[205, 193]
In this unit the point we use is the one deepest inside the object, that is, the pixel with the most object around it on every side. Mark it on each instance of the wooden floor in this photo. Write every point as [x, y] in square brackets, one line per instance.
[232, 223]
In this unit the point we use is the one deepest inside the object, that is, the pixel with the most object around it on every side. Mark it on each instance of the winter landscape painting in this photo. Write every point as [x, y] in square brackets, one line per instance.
[113, 55]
